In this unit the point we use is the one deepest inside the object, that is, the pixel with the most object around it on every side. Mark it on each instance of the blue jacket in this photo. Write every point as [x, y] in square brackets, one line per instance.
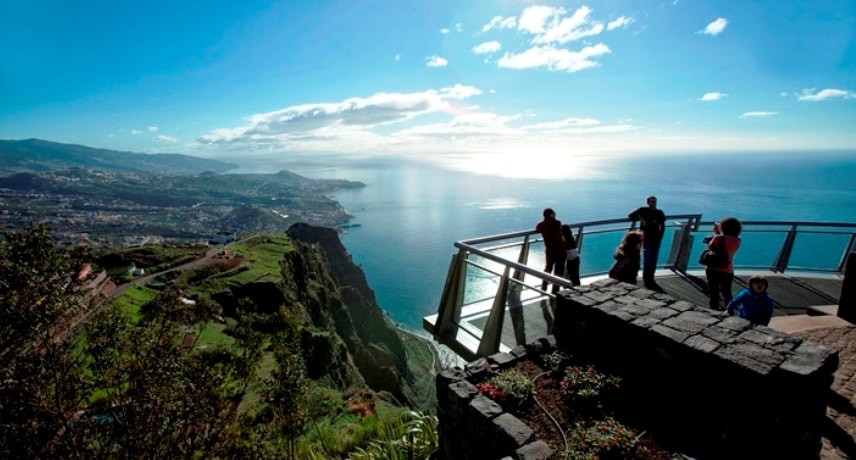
[757, 309]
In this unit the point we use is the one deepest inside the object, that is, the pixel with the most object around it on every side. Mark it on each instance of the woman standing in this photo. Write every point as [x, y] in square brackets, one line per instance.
[627, 258]
[572, 259]
[725, 242]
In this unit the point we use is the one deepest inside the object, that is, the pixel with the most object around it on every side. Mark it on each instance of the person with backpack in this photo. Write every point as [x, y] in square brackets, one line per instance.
[720, 274]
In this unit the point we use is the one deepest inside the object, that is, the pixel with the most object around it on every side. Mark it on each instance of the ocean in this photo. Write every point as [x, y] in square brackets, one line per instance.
[412, 210]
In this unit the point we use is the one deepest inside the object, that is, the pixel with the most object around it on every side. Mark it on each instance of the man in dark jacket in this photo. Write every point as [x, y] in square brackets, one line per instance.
[551, 230]
[652, 222]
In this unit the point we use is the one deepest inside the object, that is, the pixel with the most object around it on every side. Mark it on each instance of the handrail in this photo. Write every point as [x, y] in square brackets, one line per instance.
[513, 271]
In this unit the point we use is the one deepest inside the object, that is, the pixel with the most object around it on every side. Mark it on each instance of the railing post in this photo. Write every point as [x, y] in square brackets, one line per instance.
[842, 266]
[522, 259]
[682, 245]
[781, 262]
[492, 334]
[847, 299]
[580, 239]
[453, 296]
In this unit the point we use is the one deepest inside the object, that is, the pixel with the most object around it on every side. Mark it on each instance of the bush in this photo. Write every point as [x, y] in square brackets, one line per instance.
[511, 386]
[585, 384]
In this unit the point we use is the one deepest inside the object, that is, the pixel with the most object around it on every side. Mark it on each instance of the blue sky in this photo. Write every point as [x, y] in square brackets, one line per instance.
[496, 78]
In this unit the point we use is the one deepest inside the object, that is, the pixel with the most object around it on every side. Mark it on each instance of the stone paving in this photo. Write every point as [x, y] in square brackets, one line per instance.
[839, 441]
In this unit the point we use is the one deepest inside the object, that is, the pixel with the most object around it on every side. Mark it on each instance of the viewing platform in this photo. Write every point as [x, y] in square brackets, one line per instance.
[493, 305]
[492, 299]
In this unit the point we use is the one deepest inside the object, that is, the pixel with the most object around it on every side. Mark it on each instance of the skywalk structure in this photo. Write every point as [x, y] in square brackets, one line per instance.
[705, 383]
[492, 299]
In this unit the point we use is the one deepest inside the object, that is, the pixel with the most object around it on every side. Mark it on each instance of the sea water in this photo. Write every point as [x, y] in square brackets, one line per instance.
[412, 211]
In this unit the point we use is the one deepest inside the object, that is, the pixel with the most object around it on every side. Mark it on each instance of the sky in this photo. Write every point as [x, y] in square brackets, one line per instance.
[496, 79]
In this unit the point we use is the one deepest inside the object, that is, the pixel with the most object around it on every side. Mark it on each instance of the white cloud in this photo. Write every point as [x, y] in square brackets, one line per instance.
[459, 27]
[442, 121]
[825, 95]
[534, 18]
[499, 22]
[152, 128]
[549, 25]
[621, 22]
[487, 47]
[397, 57]
[713, 96]
[554, 58]
[165, 139]
[716, 27]
[758, 114]
[444, 31]
[436, 61]
[561, 124]
[551, 30]
[136, 131]
[339, 119]
[472, 125]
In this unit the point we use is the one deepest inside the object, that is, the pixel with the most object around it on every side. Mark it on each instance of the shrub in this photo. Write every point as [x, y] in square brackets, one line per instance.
[585, 384]
[510, 385]
[606, 438]
[555, 361]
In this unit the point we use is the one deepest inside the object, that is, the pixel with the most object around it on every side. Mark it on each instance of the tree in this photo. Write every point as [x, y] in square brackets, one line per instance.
[112, 387]
[42, 383]
[288, 386]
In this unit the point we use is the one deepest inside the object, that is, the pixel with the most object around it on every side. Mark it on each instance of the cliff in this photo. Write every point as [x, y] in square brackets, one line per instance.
[346, 339]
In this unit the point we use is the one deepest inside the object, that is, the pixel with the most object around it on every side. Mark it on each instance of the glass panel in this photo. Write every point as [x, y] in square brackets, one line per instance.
[480, 285]
[528, 315]
[818, 251]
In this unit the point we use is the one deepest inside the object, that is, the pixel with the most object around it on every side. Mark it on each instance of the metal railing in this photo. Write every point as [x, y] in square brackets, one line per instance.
[494, 275]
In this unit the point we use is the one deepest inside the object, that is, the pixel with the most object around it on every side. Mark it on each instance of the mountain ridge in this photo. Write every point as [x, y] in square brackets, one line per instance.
[39, 155]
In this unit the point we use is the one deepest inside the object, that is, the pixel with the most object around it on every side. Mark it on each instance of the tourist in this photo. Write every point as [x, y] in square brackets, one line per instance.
[725, 242]
[550, 229]
[652, 222]
[572, 255]
[627, 258]
[753, 303]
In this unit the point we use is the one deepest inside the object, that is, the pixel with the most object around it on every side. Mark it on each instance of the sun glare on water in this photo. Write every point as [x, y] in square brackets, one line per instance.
[517, 165]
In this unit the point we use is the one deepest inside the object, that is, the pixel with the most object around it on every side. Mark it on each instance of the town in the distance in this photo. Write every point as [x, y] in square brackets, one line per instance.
[116, 203]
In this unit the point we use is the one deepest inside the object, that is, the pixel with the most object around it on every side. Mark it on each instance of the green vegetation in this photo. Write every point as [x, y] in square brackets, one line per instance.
[154, 257]
[156, 374]
[510, 386]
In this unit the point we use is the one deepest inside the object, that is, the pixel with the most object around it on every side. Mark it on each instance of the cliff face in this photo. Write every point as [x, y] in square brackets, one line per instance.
[347, 341]
[320, 276]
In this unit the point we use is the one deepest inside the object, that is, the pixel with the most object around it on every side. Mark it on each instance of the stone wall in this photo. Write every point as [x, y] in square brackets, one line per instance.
[472, 426]
[703, 383]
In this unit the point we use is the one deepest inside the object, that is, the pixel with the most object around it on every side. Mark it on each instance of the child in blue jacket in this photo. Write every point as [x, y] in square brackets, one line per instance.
[753, 303]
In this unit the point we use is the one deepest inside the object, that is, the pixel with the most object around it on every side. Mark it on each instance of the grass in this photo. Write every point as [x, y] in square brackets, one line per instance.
[261, 255]
[213, 335]
[334, 430]
[134, 298]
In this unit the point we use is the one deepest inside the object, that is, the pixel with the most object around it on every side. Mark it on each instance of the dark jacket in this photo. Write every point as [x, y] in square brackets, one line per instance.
[652, 222]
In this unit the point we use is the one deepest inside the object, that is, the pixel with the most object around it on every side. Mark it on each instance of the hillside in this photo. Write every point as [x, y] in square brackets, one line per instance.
[252, 350]
[36, 155]
[117, 198]
[346, 340]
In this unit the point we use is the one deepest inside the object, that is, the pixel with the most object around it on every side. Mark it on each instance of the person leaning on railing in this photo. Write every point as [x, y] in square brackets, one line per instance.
[726, 241]
[550, 229]
[652, 223]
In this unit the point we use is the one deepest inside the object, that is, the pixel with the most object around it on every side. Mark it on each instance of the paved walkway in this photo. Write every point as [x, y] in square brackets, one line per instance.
[839, 431]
